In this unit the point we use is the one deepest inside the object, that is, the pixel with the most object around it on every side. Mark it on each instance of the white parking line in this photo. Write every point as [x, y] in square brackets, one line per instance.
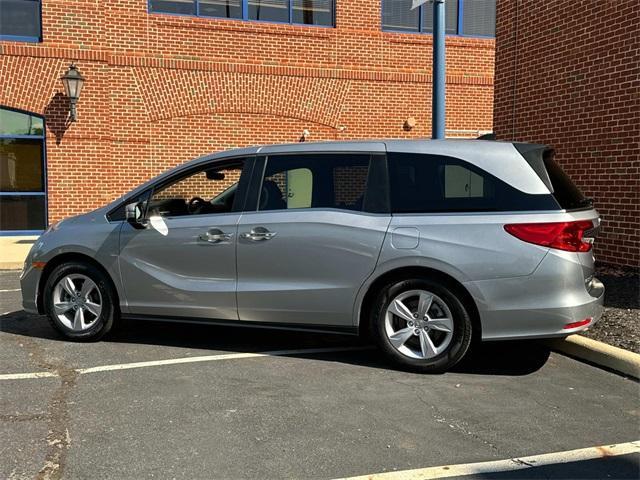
[176, 361]
[511, 464]
[10, 290]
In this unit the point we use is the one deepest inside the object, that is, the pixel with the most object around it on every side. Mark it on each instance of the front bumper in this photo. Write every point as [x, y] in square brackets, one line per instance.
[29, 284]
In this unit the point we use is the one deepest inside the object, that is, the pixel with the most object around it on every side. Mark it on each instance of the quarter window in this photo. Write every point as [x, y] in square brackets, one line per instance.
[315, 181]
[20, 20]
[303, 12]
[433, 183]
[462, 17]
[23, 203]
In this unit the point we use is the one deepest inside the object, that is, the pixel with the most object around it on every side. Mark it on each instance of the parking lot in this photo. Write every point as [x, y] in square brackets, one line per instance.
[158, 400]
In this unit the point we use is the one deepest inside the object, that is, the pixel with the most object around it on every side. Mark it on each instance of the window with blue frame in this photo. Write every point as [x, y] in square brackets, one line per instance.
[22, 172]
[20, 20]
[475, 18]
[304, 12]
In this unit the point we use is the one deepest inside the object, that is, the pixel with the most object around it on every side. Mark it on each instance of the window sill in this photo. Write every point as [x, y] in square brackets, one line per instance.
[421, 38]
[17, 38]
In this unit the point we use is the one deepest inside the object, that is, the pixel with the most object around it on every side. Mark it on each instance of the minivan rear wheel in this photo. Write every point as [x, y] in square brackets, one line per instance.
[421, 325]
[80, 301]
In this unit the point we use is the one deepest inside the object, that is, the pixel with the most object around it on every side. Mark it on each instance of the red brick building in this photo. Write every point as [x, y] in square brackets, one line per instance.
[568, 75]
[161, 89]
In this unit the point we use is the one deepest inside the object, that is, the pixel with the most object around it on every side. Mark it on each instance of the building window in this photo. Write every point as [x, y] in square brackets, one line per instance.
[475, 18]
[302, 12]
[23, 200]
[20, 20]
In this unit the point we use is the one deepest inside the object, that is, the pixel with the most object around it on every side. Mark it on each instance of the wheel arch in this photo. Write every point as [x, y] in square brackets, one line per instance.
[400, 273]
[68, 257]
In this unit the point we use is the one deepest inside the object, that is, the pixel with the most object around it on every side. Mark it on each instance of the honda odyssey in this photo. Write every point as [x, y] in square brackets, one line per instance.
[426, 245]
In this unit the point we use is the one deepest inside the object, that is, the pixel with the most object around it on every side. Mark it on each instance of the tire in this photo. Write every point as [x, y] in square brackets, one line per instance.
[99, 293]
[406, 346]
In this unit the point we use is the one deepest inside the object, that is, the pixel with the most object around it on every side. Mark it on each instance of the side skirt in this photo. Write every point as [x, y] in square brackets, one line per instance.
[332, 329]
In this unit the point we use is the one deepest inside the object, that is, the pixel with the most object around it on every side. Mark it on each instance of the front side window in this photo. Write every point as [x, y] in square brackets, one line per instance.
[462, 17]
[20, 20]
[303, 12]
[207, 191]
[315, 181]
[434, 183]
[22, 172]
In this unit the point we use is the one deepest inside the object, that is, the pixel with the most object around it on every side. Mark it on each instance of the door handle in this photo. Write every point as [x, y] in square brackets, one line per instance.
[215, 235]
[257, 234]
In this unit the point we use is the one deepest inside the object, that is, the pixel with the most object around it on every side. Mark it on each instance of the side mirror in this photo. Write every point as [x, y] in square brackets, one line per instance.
[134, 213]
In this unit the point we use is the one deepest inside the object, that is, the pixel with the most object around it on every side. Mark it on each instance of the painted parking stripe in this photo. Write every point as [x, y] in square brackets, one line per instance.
[177, 361]
[10, 290]
[511, 464]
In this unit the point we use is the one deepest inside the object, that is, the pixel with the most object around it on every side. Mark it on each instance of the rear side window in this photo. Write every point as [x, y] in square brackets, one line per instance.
[565, 191]
[316, 181]
[434, 183]
[540, 159]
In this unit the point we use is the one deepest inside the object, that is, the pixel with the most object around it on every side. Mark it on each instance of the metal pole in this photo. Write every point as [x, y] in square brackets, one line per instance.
[439, 79]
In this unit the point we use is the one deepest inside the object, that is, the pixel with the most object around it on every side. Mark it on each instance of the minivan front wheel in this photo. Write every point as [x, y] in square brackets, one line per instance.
[421, 324]
[80, 301]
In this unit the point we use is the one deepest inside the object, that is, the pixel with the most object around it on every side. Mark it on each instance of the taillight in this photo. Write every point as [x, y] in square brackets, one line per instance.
[561, 235]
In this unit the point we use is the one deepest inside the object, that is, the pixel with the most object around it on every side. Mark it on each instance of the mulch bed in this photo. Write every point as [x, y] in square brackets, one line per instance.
[620, 322]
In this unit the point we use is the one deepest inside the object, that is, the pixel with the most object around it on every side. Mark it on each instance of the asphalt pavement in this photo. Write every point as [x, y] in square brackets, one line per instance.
[191, 401]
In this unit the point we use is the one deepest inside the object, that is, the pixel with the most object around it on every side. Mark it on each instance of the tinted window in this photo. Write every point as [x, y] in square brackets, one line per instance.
[450, 17]
[315, 181]
[564, 190]
[398, 15]
[464, 17]
[20, 18]
[221, 8]
[431, 183]
[479, 17]
[186, 7]
[270, 10]
[22, 172]
[23, 212]
[312, 12]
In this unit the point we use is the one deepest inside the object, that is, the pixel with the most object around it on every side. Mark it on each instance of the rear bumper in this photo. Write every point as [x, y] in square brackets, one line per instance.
[540, 305]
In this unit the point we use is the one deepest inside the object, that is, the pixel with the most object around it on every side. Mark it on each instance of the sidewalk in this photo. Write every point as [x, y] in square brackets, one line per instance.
[13, 251]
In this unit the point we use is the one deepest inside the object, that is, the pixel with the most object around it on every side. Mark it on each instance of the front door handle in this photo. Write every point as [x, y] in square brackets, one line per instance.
[215, 235]
[258, 234]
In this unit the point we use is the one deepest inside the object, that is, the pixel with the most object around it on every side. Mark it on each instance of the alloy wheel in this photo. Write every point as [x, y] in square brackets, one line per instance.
[419, 324]
[77, 302]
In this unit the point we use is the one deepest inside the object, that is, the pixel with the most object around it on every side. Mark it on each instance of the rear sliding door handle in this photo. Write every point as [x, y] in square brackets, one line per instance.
[258, 234]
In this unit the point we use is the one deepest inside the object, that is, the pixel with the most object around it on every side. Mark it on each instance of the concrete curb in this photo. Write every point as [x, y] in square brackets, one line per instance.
[599, 353]
[11, 265]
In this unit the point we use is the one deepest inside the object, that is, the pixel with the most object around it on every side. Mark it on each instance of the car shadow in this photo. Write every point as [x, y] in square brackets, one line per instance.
[515, 358]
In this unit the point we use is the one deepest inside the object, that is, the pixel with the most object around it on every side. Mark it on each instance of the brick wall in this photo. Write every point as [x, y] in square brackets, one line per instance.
[568, 75]
[163, 89]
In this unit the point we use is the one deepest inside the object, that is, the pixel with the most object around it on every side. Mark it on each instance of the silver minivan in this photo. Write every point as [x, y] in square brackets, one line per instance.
[425, 245]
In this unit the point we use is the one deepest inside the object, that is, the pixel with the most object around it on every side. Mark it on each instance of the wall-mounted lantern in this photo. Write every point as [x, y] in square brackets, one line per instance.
[73, 82]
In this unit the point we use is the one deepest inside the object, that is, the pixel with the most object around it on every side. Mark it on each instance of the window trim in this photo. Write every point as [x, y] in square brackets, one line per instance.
[26, 38]
[245, 15]
[45, 191]
[459, 26]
